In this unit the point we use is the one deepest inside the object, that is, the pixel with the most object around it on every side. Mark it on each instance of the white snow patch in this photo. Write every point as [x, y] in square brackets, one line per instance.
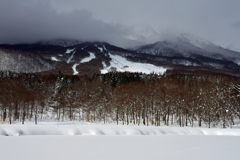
[75, 72]
[104, 64]
[60, 55]
[70, 58]
[69, 50]
[122, 65]
[92, 56]
[101, 49]
[54, 59]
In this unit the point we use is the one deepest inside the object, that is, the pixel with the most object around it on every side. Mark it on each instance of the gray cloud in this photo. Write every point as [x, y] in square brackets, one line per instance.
[113, 20]
[31, 21]
[236, 25]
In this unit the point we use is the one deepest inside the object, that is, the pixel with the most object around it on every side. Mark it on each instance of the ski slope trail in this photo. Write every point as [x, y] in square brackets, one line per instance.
[84, 60]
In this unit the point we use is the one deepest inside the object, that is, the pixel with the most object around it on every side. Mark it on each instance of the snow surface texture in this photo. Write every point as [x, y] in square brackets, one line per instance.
[128, 145]
[87, 59]
[120, 148]
[120, 142]
[123, 65]
[110, 130]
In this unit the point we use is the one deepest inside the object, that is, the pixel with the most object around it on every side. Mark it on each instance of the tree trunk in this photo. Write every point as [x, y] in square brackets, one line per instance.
[10, 116]
[36, 119]
[209, 120]
[192, 118]
[127, 117]
[117, 117]
[200, 122]
[123, 118]
[4, 114]
[180, 121]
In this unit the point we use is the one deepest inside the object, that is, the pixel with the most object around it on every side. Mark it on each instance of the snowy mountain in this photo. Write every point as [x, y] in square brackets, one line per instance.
[210, 48]
[191, 50]
[187, 45]
[185, 52]
[81, 59]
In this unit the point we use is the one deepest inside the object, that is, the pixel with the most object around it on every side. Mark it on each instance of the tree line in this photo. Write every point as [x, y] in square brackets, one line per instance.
[122, 98]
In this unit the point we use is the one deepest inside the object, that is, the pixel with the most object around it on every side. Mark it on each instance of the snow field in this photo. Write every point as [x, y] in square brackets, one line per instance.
[122, 65]
[120, 147]
[75, 140]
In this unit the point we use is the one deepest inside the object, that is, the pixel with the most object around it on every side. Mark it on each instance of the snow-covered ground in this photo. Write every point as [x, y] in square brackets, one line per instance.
[122, 65]
[120, 148]
[101, 142]
[86, 129]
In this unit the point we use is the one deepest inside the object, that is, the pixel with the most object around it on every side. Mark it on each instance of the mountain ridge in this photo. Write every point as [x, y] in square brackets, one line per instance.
[182, 52]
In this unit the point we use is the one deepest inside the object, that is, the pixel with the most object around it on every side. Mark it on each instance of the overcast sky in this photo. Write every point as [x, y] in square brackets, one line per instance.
[115, 20]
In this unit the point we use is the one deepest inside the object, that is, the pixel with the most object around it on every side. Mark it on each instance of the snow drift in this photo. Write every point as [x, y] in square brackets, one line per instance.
[110, 130]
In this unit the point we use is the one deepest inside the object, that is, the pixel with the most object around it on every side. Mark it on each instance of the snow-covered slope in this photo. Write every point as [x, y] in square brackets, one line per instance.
[175, 47]
[69, 51]
[121, 64]
[209, 47]
[87, 59]
[187, 45]
[75, 72]
[187, 49]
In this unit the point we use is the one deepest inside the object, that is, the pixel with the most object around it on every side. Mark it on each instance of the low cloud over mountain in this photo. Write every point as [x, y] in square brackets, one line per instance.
[118, 22]
[30, 21]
